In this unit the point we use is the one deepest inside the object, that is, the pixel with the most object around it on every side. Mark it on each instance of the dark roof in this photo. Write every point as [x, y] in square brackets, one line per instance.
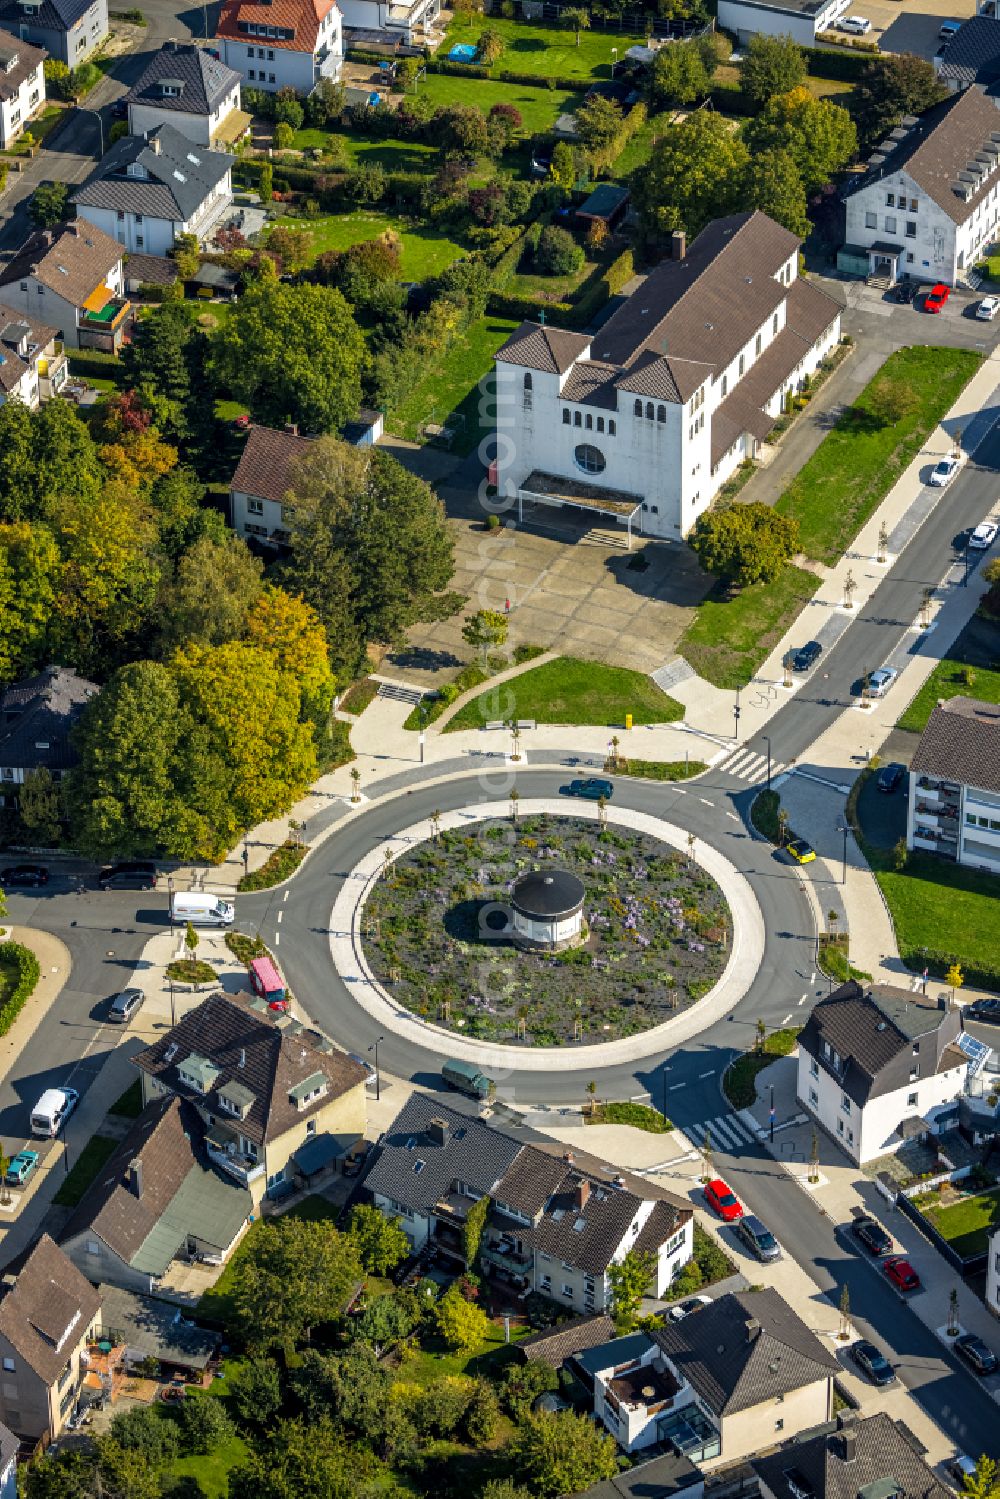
[20, 61]
[37, 715]
[74, 260]
[204, 80]
[156, 1328]
[972, 55]
[873, 1032]
[10, 1446]
[937, 148]
[52, 15]
[962, 740]
[554, 1345]
[604, 201]
[744, 1349]
[178, 176]
[17, 329]
[469, 1151]
[547, 892]
[614, 1352]
[266, 463]
[551, 350]
[657, 1478]
[268, 1057]
[819, 1466]
[48, 1310]
[151, 270]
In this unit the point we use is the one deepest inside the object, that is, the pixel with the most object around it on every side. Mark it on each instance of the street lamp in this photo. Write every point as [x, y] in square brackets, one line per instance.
[614, 54]
[767, 740]
[770, 1115]
[842, 827]
[100, 123]
[378, 1076]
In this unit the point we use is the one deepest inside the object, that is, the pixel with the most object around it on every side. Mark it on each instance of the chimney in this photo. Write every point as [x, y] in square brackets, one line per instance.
[243, 1056]
[678, 245]
[438, 1131]
[292, 428]
[582, 1193]
[568, 1157]
[943, 1001]
[753, 1330]
[135, 1176]
[154, 141]
[847, 1425]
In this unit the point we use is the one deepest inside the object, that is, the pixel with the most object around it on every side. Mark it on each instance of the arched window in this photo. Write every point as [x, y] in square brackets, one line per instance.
[649, 411]
[661, 413]
[589, 423]
[611, 428]
[589, 458]
[566, 417]
[638, 408]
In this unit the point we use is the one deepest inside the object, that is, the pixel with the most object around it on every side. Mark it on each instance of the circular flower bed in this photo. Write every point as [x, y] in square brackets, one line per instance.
[657, 933]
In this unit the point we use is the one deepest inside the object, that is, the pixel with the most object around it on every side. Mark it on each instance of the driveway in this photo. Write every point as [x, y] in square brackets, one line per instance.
[913, 27]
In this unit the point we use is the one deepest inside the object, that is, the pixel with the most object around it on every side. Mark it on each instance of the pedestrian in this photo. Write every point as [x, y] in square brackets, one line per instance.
[506, 606]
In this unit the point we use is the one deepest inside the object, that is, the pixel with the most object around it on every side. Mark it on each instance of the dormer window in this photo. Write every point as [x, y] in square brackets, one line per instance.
[308, 1090]
[198, 1073]
[236, 1099]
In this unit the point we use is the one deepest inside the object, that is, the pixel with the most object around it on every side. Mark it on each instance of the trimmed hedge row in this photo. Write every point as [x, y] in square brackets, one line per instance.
[840, 63]
[95, 362]
[28, 976]
[938, 962]
[576, 314]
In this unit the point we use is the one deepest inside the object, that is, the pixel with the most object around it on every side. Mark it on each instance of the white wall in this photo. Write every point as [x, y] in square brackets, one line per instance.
[939, 250]
[993, 1276]
[139, 233]
[198, 128]
[16, 112]
[263, 65]
[864, 1134]
[767, 20]
[262, 522]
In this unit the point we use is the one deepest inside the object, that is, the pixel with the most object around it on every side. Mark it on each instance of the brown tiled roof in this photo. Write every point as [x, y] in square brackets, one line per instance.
[962, 743]
[673, 380]
[881, 1450]
[940, 146]
[28, 59]
[73, 261]
[873, 1032]
[47, 1311]
[151, 270]
[554, 1345]
[301, 16]
[591, 384]
[551, 350]
[266, 463]
[255, 1051]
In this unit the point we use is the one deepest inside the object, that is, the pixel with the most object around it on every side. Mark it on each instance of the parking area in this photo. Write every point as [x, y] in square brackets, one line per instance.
[913, 27]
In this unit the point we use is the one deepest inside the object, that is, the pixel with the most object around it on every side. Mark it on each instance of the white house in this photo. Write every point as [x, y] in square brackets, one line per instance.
[68, 30]
[32, 368]
[802, 20]
[643, 421]
[262, 480]
[872, 1059]
[186, 87]
[149, 189]
[293, 45]
[408, 21]
[993, 1275]
[72, 278]
[22, 86]
[954, 804]
[928, 204]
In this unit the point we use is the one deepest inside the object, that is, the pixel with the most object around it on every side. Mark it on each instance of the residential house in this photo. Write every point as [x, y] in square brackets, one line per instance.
[802, 20]
[633, 1388]
[992, 1297]
[9, 1448]
[642, 422]
[971, 56]
[48, 1311]
[668, 1476]
[37, 717]
[263, 1084]
[927, 205]
[68, 30]
[558, 1220]
[152, 1328]
[556, 1345]
[750, 1374]
[286, 44]
[22, 86]
[149, 189]
[158, 1199]
[33, 367]
[872, 1059]
[261, 483]
[71, 279]
[954, 804]
[408, 22]
[189, 88]
[870, 1458]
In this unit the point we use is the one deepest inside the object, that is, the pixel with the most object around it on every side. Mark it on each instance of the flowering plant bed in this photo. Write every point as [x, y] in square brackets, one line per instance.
[657, 930]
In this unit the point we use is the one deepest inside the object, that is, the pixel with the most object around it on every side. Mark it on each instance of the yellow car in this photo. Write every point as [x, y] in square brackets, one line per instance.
[801, 851]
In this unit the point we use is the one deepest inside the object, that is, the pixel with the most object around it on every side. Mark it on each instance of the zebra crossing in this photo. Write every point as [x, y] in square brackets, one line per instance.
[747, 765]
[726, 1132]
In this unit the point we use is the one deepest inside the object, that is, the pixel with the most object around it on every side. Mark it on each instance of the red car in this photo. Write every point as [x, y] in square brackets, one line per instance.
[723, 1200]
[901, 1273]
[936, 297]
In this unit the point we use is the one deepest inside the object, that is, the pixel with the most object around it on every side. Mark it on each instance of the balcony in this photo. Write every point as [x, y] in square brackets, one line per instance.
[224, 1150]
[109, 316]
[503, 1256]
[53, 372]
[103, 326]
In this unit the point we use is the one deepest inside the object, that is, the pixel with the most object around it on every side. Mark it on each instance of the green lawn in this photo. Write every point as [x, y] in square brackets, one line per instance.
[571, 691]
[551, 288]
[217, 1304]
[638, 1115]
[539, 107]
[545, 50]
[739, 1083]
[488, 1358]
[859, 461]
[426, 251]
[966, 1225]
[640, 147]
[946, 680]
[942, 912]
[394, 155]
[454, 387]
[98, 1149]
[729, 637]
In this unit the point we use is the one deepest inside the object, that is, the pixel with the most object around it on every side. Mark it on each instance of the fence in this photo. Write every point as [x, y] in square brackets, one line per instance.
[972, 1264]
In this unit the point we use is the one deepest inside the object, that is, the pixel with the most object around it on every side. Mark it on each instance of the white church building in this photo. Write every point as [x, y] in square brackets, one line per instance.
[644, 420]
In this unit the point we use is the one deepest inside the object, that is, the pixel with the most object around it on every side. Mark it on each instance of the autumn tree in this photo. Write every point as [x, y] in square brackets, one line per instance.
[30, 567]
[462, 1324]
[819, 136]
[296, 1274]
[46, 453]
[695, 173]
[485, 629]
[771, 65]
[744, 544]
[562, 1453]
[773, 185]
[984, 1481]
[598, 124]
[214, 589]
[681, 74]
[380, 1241]
[629, 1280]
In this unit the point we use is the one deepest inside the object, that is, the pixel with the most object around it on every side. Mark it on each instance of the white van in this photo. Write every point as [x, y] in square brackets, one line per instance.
[52, 1110]
[200, 909]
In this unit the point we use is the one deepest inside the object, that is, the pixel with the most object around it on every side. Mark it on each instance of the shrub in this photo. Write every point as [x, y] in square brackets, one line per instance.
[205, 1425]
[283, 135]
[558, 253]
[28, 973]
[280, 865]
[144, 1431]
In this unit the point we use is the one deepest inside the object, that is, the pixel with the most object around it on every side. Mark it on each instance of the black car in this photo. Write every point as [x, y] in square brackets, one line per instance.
[986, 1011]
[977, 1354]
[890, 776]
[119, 109]
[873, 1363]
[903, 291]
[872, 1235]
[24, 874]
[591, 789]
[806, 658]
[139, 875]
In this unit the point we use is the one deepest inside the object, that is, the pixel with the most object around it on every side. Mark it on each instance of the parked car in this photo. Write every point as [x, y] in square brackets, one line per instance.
[936, 297]
[21, 1167]
[959, 1469]
[880, 681]
[806, 658]
[52, 1110]
[139, 874]
[119, 109]
[946, 470]
[723, 1200]
[592, 789]
[685, 1308]
[872, 1235]
[759, 1240]
[984, 536]
[948, 30]
[903, 291]
[24, 874]
[986, 1011]
[902, 1274]
[801, 851]
[890, 776]
[856, 25]
[988, 309]
[873, 1363]
[121, 1007]
[977, 1354]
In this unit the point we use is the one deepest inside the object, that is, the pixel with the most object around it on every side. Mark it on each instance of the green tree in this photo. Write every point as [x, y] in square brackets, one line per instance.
[695, 173]
[562, 1453]
[288, 109]
[46, 453]
[771, 65]
[629, 1280]
[472, 1231]
[48, 204]
[441, 1406]
[521, 1385]
[744, 544]
[180, 517]
[892, 86]
[191, 940]
[485, 630]
[125, 1472]
[557, 252]
[255, 1392]
[30, 567]
[205, 1425]
[890, 400]
[564, 168]
[215, 588]
[462, 1324]
[679, 75]
[462, 127]
[141, 1430]
[575, 18]
[385, 1323]
[598, 124]
[819, 136]
[293, 353]
[773, 185]
[39, 807]
[304, 1460]
[504, 1488]
[293, 1275]
[984, 1483]
[265, 183]
[482, 1415]
[381, 1242]
[283, 135]
[491, 46]
[158, 357]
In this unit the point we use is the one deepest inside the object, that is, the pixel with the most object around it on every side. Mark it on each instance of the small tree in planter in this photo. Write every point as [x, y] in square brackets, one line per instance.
[706, 1155]
[814, 1159]
[355, 784]
[953, 1322]
[191, 940]
[845, 1315]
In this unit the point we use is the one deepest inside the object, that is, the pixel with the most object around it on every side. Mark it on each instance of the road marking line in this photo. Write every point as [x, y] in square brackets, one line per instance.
[635, 1097]
[280, 914]
[812, 979]
[787, 1018]
[710, 1073]
[733, 816]
[286, 895]
[277, 938]
[705, 802]
[675, 1086]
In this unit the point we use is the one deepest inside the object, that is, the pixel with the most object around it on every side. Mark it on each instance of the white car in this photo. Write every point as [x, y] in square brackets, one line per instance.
[685, 1308]
[988, 309]
[880, 681]
[984, 536]
[856, 25]
[946, 470]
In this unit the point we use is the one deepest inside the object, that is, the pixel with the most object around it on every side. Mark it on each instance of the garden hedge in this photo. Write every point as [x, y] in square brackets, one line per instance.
[28, 976]
[96, 363]
[839, 63]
